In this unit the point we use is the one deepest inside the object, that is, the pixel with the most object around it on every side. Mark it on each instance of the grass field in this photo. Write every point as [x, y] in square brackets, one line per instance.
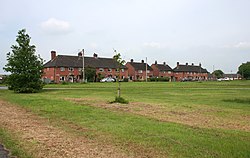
[190, 119]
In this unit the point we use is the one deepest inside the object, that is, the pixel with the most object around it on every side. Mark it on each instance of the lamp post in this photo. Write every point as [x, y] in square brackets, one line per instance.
[146, 70]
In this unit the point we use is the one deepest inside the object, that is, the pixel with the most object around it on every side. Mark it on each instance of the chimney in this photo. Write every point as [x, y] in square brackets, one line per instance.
[186, 64]
[142, 61]
[53, 54]
[132, 60]
[164, 63]
[200, 64]
[156, 62]
[80, 54]
[192, 64]
[178, 64]
[95, 55]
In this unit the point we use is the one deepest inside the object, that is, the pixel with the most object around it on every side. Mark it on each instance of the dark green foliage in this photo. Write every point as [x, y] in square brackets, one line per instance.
[159, 79]
[244, 70]
[125, 80]
[218, 73]
[90, 74]
[119, 100]
[242, 101]
[25, 67]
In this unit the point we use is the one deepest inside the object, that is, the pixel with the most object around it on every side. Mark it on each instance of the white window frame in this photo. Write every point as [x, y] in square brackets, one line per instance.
[70, 69]
[62, 78]
[101, 69]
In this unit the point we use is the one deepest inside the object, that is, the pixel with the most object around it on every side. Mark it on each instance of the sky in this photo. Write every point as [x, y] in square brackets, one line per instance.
[215, 33]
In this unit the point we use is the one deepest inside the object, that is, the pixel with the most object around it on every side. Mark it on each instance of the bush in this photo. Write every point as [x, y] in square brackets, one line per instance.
[125, 80]
[119, 100]
[159, 79]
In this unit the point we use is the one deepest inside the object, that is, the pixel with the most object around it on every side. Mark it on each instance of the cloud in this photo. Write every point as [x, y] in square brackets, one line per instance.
[240, 45]
[55, 26]
[153, 45]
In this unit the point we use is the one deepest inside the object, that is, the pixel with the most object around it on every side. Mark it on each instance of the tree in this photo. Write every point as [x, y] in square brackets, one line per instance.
[120, 61]
[25, 67]
[90, 74]
[244, 70]
[218, 73]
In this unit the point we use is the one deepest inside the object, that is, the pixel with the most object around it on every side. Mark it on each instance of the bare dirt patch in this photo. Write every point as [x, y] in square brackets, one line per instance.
[198, 117]
[41, 139]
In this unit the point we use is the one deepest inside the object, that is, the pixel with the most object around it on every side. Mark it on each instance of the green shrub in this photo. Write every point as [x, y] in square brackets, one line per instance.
[119, 100]
[125, 80]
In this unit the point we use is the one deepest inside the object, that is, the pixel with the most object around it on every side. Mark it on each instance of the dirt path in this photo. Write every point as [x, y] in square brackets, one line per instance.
[45, 140]
[201, 117]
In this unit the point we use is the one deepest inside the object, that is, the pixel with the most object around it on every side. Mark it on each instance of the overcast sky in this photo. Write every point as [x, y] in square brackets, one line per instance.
[212, 32]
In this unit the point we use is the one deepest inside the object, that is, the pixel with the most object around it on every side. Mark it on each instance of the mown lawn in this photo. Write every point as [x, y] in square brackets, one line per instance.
[191, 119]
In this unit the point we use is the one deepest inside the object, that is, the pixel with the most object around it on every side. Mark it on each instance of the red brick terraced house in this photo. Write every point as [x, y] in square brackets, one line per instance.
[69, 68]
[162, 70]
[137, 70]
[189, 72]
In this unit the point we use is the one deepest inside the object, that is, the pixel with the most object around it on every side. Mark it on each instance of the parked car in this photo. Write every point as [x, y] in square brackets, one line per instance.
[107, 79]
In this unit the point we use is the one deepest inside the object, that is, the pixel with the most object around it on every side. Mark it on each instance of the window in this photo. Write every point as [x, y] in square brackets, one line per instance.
[71, 69]
[122, 70]
[109, 70]
[117, 70]
[169, 72]
[148, 71]
[139, 71]
[101, 69]
[80, 69]
[47, 68]
[62, 78]
[62, 69]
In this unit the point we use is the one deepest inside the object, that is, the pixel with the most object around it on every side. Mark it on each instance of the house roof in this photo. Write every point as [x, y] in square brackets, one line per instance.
[76, 62]
[163, 67]
[189, 68]
[140, 66]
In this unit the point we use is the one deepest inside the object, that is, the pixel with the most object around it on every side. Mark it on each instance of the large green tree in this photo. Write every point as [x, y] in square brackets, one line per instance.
[244, 70]
[218, 73]
[25, 67]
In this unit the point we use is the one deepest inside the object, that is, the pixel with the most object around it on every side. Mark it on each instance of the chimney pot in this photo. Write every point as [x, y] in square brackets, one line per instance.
[156, 62]
[187, 64]
[142, 61]
[164, 63]
[192, 64]
[200, 64]
[95, 55]
[178, 63]
[53, 54]
[132, 60]
[80, 54]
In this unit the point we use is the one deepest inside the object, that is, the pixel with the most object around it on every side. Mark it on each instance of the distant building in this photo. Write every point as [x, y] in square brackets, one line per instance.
[189, 72]
[162, 70]
[69, 68]
[232, 76]
[137, 70]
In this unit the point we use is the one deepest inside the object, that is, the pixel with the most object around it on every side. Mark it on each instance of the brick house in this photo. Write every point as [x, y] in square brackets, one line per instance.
[69, 68]
[162, 70]
[137, 71]
[189, 72]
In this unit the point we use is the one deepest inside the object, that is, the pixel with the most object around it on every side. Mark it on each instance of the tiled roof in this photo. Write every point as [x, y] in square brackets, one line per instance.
[140, 66]
[76, 62]
[190, 68]
[163, 67]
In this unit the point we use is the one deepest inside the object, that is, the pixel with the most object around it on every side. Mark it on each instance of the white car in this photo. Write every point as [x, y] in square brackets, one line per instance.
[108, 79]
